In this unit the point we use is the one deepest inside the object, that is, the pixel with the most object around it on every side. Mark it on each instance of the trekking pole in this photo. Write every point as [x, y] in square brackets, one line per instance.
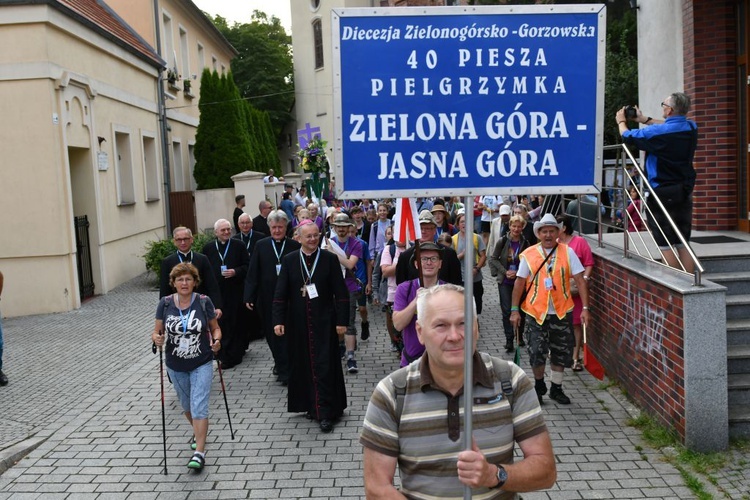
[224, 393]
[223, 389]
[163, 417]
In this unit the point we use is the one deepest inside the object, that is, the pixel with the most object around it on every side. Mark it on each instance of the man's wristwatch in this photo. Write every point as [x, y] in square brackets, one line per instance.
[502, 476]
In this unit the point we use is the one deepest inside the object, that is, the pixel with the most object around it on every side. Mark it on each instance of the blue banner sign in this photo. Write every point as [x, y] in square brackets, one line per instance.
[468, 100]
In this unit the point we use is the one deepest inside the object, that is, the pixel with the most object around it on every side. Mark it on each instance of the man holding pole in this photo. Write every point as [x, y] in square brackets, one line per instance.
[414, 417]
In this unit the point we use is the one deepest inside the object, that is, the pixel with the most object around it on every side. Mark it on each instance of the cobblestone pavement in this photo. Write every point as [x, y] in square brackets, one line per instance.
[84, 387]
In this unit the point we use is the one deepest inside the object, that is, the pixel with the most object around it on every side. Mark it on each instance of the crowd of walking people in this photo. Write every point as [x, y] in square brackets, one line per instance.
[305, 276]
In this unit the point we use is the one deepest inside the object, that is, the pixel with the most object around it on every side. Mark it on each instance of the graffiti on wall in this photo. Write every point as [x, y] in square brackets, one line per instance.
[644, 328]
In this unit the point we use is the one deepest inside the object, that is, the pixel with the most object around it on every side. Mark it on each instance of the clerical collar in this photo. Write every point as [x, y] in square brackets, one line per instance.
[185, 256]
[309, 254]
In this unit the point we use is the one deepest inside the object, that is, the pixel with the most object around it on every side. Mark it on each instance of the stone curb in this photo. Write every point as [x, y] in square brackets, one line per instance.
[9, 456]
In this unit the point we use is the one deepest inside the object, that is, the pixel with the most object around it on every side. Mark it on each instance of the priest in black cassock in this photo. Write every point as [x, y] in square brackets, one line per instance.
[229, 262]
[183, 240]
[248, 322]
[311, 308]
[265, 266]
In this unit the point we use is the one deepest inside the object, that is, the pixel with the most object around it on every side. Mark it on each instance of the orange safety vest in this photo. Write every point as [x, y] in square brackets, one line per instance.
[537, 300]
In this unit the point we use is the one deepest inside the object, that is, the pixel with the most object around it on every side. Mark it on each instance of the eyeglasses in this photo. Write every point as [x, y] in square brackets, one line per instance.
[179, 240]
[665, 105]
[430, 259]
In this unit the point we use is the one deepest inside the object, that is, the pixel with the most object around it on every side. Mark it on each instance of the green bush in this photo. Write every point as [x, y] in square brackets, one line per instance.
[157, 251]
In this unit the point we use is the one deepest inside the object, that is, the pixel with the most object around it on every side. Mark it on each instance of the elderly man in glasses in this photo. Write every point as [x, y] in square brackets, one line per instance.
[182, 237]
[670, 145]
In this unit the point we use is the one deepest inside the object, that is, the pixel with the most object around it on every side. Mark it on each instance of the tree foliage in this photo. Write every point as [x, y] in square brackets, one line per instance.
[263, 70]
[222, 141]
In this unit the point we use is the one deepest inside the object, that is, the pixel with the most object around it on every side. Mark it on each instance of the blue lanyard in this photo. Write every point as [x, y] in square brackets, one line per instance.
[346, 247]
[303, 264]
[184, 318]
[222, 257]
[278, 257]
[190, 259]
[249, 238]
[515, 252]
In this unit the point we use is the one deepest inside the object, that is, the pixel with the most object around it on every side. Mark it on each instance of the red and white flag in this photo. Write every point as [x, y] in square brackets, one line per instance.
[406, 227]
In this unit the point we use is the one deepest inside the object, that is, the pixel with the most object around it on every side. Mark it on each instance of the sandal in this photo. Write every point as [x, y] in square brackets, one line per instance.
[577, 366]
[197, 462]
[193, 444]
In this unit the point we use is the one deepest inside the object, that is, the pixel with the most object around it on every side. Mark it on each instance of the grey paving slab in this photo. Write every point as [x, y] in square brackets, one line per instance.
[87, 385]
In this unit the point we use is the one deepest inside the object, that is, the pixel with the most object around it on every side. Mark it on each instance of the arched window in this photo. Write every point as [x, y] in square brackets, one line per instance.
[318, 43]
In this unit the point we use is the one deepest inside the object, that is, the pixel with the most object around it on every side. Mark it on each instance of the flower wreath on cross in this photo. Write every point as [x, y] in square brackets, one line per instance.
[313, 156]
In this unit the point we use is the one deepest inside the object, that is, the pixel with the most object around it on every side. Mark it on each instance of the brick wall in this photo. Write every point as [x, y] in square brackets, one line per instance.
[709, 50]
[637, 335]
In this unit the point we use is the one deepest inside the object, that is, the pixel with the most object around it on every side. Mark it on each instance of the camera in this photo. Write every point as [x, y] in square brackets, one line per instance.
[631, 113]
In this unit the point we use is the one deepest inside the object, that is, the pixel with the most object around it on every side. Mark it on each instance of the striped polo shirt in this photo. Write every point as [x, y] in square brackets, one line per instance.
[426, 438]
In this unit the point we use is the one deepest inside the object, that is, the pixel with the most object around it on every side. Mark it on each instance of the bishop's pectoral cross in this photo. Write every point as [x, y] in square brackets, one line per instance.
[303, 289]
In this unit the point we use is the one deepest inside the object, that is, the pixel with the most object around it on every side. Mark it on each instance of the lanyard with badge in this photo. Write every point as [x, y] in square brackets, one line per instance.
[222, 257]
[308, 288]
[184, 319]
[548, 284]
[249, 239]
[278, 255]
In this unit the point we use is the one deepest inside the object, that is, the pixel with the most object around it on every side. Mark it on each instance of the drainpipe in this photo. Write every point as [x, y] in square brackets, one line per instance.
[163, 125]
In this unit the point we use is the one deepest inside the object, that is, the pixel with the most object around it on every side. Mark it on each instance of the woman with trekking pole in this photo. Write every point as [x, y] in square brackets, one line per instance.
[193, 337]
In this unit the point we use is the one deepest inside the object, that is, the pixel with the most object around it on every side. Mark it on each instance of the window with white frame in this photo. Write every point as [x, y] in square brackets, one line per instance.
[201, 57]
[124, 169]
[151, 168]
[178, 172]
[191, 163]
[169, 52]
[185, 54]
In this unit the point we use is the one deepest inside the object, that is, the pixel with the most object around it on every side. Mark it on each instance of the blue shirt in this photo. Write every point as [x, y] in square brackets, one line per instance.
[288, 207]
[669, 148]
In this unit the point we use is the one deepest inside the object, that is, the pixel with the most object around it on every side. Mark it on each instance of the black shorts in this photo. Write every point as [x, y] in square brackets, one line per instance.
[681, 214]
[486, 226]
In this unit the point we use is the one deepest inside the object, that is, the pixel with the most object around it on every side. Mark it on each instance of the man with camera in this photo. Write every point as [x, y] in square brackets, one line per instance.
[670, 145]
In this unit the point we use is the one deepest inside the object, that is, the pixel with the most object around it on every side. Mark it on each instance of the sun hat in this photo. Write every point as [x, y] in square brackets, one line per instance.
[426, 217]
[342, 220]
[547, 221]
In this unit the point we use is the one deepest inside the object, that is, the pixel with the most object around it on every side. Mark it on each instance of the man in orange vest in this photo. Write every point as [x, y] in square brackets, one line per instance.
[543, 291]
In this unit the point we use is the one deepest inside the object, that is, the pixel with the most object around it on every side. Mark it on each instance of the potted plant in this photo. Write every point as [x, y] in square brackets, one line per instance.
[172, 77]
[314, 160]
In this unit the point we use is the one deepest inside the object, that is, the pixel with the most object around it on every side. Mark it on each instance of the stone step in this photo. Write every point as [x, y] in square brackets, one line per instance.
[736, 282]
[738, 359]
[738, 331]
[739, 421]
[726, 264]
[738, 385]
[738, 306]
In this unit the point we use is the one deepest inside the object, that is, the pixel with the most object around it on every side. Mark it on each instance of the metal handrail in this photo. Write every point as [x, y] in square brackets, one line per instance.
[638, 179]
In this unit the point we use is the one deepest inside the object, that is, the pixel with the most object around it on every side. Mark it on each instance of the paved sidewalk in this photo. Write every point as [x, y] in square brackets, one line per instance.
[86, 386]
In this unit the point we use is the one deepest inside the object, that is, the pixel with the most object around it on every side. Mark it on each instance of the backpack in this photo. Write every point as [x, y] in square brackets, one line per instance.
[476, 245]
[500, 367]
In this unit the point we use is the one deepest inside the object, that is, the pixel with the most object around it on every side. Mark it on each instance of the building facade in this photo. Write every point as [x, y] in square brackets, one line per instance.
[82, 145]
